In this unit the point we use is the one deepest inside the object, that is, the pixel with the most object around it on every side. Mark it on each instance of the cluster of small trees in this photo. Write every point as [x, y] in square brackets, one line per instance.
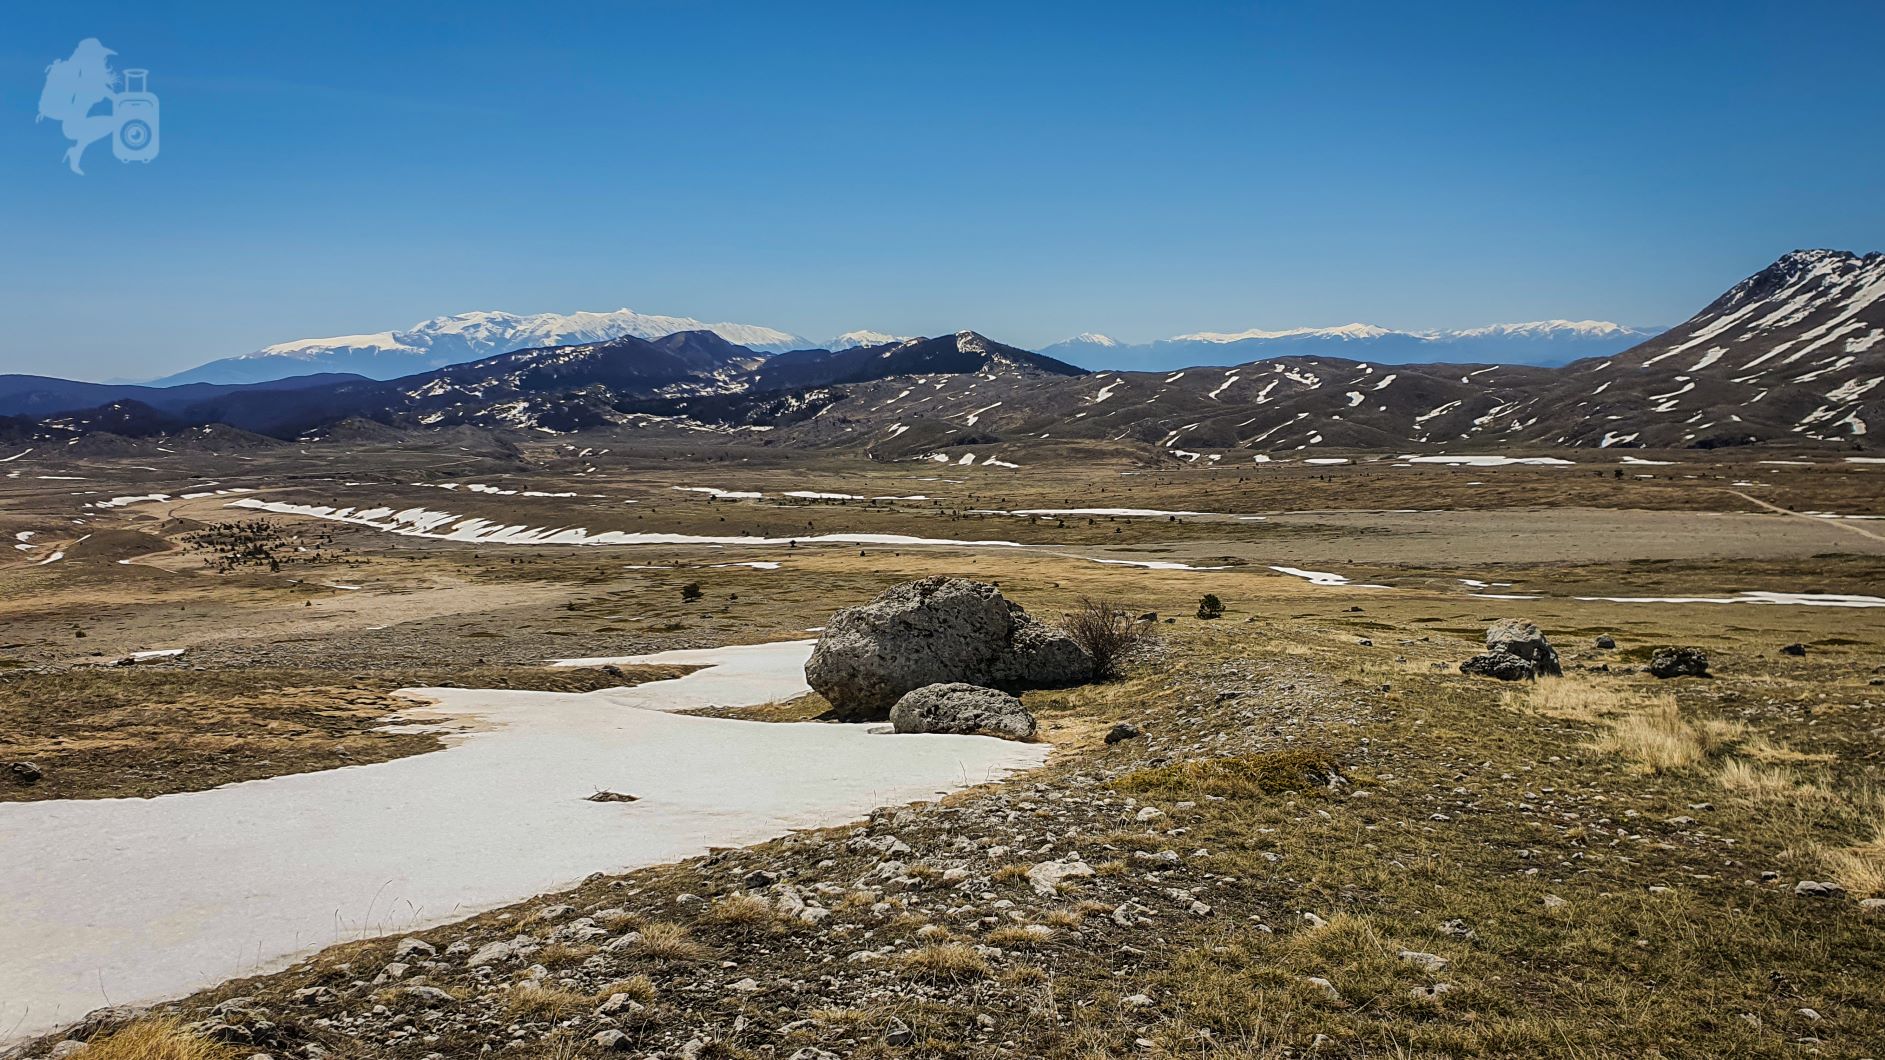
[258, 543]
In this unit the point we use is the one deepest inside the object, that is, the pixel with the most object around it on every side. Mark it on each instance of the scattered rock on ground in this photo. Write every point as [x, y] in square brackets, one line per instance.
[1607, 642]
[961, 708]
[25, 772]
[1125, 730]
[1679, 662]
[1794, 649]
[1500, 664]
[934, 631]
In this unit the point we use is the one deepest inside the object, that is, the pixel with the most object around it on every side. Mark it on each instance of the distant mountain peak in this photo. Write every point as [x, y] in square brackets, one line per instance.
[862, 337]
[1544, 328]
[463, 337]
[1345, 331]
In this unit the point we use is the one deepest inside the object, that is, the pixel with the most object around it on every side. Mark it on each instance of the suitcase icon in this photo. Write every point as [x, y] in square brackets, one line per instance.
[135, 111]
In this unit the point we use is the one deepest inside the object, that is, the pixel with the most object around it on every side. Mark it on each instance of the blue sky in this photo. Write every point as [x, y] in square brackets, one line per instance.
[1028, 170]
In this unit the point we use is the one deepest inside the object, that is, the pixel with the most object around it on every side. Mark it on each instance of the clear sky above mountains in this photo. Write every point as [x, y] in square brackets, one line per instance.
[1029, 171]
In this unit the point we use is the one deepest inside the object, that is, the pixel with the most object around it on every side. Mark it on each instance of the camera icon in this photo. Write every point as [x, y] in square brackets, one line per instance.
[134, 117]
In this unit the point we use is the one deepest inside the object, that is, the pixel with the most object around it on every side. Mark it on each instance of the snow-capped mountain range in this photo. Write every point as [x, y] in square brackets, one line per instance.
[465, 337]
[852, 339]
[1541, 342]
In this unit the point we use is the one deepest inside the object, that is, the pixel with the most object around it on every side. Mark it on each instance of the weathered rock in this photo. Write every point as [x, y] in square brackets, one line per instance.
[1794, 650]
[25, 772]
[961, 708]
[1046, 876]
[1818, 889]
[1123, 731]
[935, 631]
[1526, 641]
[1503, 665]
[1606, 642]
[1679, 662]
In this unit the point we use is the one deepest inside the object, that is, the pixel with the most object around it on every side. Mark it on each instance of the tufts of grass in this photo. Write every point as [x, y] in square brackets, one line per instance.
[945, 962]
[560, 954]
[742, 914]
[664, 941]
[157, 1039]
[1658, 739]
[1244, 776]
[544, 1004]
[639, 988]
[1019, 936]
[1569, 699]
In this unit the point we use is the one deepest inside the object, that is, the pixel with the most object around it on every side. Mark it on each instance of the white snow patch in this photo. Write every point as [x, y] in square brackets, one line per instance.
[127, 908]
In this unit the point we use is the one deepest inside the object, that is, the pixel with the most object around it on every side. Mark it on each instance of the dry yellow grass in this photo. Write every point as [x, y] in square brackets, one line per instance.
[1570, 699]
[742, 914]
[948, 961]
[1656, 738]
[157, 1039]
[1021, 935]
[669, 942]
[544, 1003]
[639, 988]
[1743, 778]
[558, 954]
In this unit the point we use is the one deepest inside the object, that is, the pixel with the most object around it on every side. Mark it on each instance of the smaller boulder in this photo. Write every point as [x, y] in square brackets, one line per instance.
[1679, 662]
[1794, 650]
[25, 772]
[955, 707]
[1123, 731]
[1607, 642]
[1500, 664]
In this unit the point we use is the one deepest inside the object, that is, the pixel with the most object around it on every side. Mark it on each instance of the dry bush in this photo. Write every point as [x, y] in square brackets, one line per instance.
[947, 961]
[669, 942]
[1764, 749]
[544, 1004]
[639, 988]
[742, 914]
[1573, 700]
[1751, 781]
[854, 900]
[559, 954]
[1658, 739]
[1011, 936]
[1104, 630]
[1860, 869]
[156, 1039]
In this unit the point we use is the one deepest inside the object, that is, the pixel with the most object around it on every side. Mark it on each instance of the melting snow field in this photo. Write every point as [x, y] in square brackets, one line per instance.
[444, 526]
[133, 900]
[1801, 599]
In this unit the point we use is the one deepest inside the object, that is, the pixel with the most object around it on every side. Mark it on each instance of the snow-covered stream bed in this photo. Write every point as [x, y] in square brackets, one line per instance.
[118, 901]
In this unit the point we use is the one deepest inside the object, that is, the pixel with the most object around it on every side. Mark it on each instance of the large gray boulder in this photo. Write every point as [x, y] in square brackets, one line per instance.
[960, 708]
[936, 631]
[1526, 641]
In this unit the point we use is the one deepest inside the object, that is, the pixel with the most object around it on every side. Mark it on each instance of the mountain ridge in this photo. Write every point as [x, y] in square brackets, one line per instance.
[460, 338]
[1792, 354]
